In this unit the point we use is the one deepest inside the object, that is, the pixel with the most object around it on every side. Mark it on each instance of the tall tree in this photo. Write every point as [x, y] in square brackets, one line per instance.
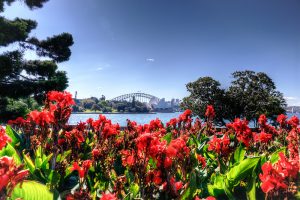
[255, 94]
[250, 95]
[206, 91]
[20, 77]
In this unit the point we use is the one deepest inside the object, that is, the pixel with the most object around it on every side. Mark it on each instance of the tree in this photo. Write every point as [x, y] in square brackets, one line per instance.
[95, 107]
[250, 95]
[206, 91]
[255, 94]
[20, 77]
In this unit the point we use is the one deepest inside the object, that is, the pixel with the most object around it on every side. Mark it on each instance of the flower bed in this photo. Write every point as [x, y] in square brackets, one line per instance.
[42, 157]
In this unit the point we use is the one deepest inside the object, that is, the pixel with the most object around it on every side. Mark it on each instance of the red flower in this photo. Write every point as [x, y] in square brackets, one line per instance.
[271, 179]
[4, 139]
[108, 196]
[157, 177]
[10, 174]
[202, 160]
[176, 185]
[19, 121]
[294, 121]
[263, 137]
[210, 112]
[62, 98]
[262, 120]
[285, 168]
[243, 132]
[293, 144]
[210, 198]
[42, 118]
[171, 151]
[276, 176]
[281, 119]
[143, 141]
[155, 124]
[168, 162]
[186, 116]
[219, 145]
[96, 153]
[172, 122]
[84, 169]
[75, 136]
[127, 158]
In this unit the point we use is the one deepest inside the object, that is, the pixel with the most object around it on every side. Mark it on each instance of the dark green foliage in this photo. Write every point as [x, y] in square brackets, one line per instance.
[255, 94]
[103, 105]
[207, 91]
[16, 30]
[250, 95]
[20, 78]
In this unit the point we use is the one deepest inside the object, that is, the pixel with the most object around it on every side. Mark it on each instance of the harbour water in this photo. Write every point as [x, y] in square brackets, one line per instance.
[139, 118]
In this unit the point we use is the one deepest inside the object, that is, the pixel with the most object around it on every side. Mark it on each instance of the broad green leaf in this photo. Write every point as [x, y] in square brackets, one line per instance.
[15, 137]
[10, 151]
[30, 190]
[275, 156]
[240, 171]
[217, 188]
[263, 160]
[251, 189]
[227, 189]
[29, 163]
[38, 162]
[46, 161]
[134, 189]
[239, 154]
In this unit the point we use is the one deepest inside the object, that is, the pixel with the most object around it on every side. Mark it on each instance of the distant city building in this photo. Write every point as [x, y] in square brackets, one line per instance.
[172, 105]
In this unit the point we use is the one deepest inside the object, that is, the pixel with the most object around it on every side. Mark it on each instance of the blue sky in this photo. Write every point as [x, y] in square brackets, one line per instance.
[157, 46]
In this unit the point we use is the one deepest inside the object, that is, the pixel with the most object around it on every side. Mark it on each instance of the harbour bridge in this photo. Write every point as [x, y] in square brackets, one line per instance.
[138, 96]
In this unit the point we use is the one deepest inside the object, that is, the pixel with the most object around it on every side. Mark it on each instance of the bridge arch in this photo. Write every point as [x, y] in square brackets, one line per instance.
[139, 96]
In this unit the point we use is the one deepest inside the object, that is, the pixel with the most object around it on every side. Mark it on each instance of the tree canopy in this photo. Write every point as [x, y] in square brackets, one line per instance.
[249, 95]
[20, 77]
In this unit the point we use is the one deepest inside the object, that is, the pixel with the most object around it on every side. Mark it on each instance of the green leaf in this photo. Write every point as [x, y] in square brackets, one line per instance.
[192, 188]
[129, 175]
[10, 151]
[275, 156]
[228, 190]
[152, 163]
[31, 190]
[39, 176]
[52, 177]
[251, 189]
[194, 140]
[63, 156]
[38, 157]
[46, 161]
[134, 189]
[217, 188]
[239, 154]
[15, 137]
[29, 163]
[168, 137]
[240, 171]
